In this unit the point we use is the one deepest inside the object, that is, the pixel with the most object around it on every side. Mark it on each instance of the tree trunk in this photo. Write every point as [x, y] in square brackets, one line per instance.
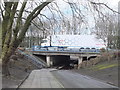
[11, 36]
[5, 60]
[5, 69]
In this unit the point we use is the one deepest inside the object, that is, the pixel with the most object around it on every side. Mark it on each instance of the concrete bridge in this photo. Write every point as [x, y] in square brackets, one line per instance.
[61, 57]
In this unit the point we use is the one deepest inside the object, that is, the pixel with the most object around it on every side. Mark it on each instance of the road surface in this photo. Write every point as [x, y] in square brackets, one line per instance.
[71, 79]
[52, 78]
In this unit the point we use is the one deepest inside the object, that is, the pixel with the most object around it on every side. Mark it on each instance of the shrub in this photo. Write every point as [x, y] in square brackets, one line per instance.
[102, 50]
[116, 54]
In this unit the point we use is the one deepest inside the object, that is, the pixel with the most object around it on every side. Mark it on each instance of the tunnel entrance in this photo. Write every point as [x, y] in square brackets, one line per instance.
[84, 59]
[60, 60]
[42, 57]
[92, 57]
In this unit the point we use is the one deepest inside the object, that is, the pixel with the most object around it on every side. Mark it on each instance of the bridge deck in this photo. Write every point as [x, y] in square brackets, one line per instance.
[66, 53]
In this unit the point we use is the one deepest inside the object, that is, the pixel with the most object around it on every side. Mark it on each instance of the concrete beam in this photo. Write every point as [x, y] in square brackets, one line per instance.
[65, 53]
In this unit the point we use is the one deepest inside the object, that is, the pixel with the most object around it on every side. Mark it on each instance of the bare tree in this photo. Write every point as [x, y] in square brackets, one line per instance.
[106, 28]
[13, 34]
[16, 22]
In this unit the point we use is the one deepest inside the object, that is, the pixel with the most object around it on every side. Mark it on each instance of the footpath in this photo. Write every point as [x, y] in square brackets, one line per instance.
[41, 79]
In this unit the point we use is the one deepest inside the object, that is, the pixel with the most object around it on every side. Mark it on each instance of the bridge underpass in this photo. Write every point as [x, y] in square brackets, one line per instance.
[53, 58]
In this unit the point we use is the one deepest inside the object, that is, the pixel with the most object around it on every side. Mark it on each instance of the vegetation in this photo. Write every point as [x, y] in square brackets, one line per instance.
[16, 20]
[107, 30]
[14, 33]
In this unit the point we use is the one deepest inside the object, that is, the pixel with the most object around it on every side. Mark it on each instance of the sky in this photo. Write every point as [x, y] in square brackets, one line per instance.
[113, 3]
[67, 11]
[64, 7]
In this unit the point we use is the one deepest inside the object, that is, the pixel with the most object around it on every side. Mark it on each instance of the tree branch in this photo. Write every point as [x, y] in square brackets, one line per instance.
[7, 28]
[33, 22]
[105, 6]
[2, 13]
[40, 8]
[16, 30]
[30, 17]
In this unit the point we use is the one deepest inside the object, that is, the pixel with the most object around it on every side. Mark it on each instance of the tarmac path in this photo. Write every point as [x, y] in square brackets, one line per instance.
[42, 78]
[52, 78]
[71, 79]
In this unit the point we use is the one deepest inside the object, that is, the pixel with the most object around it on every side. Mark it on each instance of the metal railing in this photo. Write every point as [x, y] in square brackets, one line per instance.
[57, 48]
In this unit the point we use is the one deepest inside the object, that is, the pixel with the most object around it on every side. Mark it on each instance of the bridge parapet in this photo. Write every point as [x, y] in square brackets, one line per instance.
[66, 53]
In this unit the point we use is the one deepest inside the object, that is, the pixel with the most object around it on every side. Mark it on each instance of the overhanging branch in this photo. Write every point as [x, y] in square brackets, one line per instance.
[105, 6]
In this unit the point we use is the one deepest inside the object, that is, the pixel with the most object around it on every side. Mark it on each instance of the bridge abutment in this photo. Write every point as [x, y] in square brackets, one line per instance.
[49, 61]
[80, 59]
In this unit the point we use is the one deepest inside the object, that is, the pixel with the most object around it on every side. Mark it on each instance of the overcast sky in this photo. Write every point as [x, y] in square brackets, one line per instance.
[64, 7]
[112, 3]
